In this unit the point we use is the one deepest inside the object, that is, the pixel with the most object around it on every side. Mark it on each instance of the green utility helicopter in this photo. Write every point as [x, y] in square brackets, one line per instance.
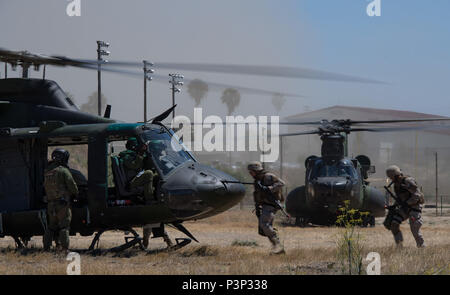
[334, 178]
[36, 114]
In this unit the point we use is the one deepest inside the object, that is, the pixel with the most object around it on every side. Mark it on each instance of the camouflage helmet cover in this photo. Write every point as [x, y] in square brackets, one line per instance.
[392, 171]
[255, 166]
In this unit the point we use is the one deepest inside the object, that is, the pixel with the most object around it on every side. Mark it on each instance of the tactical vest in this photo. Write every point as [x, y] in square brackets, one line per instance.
[261, 197]
[404, 194]
[55, 185]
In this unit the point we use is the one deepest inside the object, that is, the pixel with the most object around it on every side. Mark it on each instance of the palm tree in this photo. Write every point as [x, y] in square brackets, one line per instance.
[231, 97]
[197, 89]
[278, 101]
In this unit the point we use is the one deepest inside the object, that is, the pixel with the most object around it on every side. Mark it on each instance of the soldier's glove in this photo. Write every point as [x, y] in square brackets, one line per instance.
[262, 187]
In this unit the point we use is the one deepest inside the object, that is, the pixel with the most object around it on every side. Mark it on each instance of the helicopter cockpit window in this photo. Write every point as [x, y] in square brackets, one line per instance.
[337, 170]
[166, 153]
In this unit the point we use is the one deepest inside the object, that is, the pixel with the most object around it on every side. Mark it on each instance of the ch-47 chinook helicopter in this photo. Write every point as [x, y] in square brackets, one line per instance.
[335, 177]
[36, 114]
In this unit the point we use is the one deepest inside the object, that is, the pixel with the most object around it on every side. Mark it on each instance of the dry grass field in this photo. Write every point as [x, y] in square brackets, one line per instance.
[229, 244]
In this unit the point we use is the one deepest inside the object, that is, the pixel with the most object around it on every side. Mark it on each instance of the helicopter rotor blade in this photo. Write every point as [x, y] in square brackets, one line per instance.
[272, 71]
[300, 133]
[394, 129]
[211, 85]
[398, 121]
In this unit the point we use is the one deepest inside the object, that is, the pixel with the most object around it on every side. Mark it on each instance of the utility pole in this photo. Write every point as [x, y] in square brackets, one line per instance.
[100, 53]
[147, 71]
[175, 81]
[281, 156]
[436, 158]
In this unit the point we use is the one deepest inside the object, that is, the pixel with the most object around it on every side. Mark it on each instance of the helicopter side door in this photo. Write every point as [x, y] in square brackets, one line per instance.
[21, 173]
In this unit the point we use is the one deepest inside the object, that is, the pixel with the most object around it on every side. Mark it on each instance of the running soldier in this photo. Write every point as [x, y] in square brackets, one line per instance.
[267, 195]
[411, 200]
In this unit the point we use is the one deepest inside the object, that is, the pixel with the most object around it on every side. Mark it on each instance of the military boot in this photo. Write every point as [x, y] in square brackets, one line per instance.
[168, 241]
[146, 236]
[277, 247]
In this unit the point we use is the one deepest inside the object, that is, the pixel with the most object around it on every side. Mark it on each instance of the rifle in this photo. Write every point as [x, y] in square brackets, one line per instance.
[401, 203]
[276, 202]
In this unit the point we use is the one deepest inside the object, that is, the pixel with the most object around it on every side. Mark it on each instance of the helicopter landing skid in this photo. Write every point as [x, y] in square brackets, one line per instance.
[181, 242]
[129, 241]
[21, 242]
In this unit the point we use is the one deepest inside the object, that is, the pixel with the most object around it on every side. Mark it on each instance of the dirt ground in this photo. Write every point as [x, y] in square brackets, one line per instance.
[229, 244]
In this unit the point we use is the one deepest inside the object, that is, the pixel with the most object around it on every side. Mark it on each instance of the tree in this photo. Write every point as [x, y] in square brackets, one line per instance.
[197, 89]
[278, 101]
[91, 106]
[231, 97]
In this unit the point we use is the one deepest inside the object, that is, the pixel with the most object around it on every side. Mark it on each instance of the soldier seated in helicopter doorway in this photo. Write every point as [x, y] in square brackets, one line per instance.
[409, 203]
[156, 147]
[133, 160]
[60, 187]
[268, 191]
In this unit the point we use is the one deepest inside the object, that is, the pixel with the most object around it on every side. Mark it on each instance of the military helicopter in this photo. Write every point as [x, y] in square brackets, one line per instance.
[335, 177]
[36, 114]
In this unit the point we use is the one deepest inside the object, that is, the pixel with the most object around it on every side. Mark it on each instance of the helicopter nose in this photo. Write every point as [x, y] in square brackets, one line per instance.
[222, 195]
[332, 188]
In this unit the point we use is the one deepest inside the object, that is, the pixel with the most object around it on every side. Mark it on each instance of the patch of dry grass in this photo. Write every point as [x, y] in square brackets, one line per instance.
[310, 250]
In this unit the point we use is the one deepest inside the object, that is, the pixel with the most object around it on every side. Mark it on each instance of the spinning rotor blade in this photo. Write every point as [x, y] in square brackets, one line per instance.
[211, 85]
[398, 121]
[393, 129]
[300, 133]
[272, 71]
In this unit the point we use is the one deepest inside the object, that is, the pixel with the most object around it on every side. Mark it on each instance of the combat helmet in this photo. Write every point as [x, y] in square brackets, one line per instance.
[132, 143]
[255, 166]
[61, 156]
[393, 171]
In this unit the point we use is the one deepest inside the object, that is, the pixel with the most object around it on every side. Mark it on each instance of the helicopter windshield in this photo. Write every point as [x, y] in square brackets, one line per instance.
[166, 151]
[339, 169]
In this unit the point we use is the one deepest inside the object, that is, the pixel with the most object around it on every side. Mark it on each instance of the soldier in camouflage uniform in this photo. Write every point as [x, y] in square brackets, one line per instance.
[157, 148]
[159, 232]
[408, 193]
[59, 187]
[133, 160]
[268, 188]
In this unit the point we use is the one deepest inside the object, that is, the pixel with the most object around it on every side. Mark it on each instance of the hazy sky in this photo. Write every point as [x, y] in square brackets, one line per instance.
[407, 46]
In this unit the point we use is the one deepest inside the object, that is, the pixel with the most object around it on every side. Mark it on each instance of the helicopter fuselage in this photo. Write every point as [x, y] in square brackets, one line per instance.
[36, 115]
[331, 180]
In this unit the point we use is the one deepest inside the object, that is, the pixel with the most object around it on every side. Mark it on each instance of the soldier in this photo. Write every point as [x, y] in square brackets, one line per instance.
[59, 187]
[156, 147]
[157, 232]
[268, 190]
[411, 199]
[133, 163]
